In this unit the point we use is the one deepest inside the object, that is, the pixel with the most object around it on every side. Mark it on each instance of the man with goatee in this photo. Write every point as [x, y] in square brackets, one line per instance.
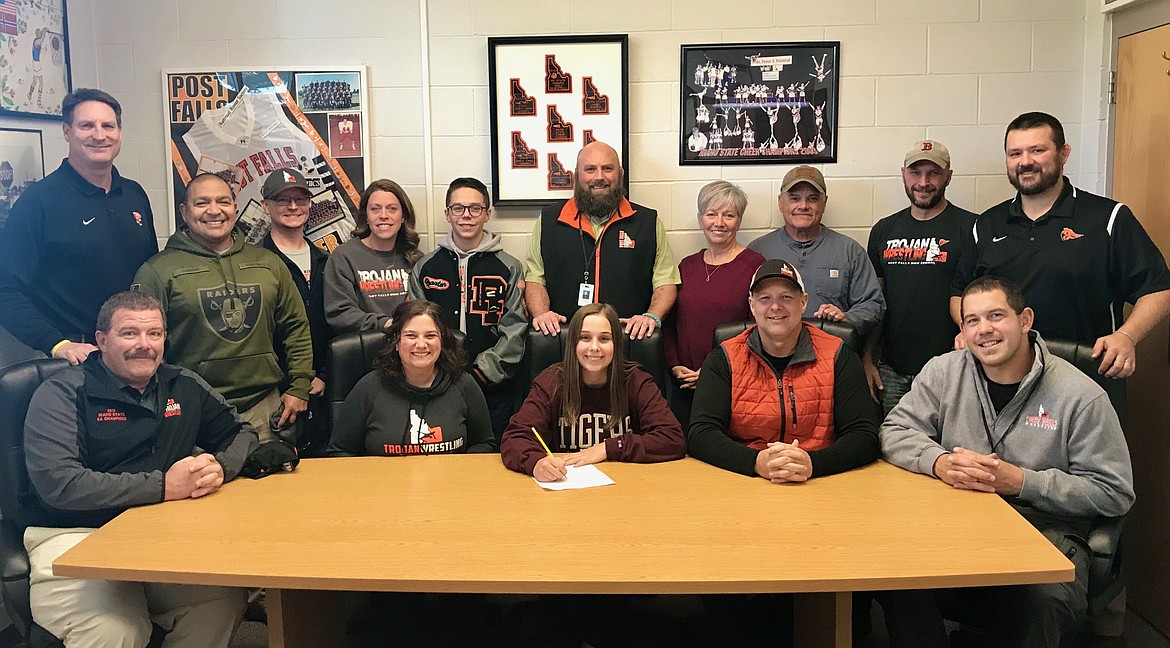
[598, 247]
[916, 253]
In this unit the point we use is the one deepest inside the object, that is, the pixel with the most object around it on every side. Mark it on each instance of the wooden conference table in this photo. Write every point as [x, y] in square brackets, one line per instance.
[466, 524]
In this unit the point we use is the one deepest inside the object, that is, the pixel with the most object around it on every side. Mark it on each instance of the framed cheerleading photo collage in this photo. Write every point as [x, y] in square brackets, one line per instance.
[247, 124]
[759, 103]
[550, 96]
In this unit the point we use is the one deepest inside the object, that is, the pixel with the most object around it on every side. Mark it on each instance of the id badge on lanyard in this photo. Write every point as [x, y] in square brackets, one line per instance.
[585, 294]
[586, 289]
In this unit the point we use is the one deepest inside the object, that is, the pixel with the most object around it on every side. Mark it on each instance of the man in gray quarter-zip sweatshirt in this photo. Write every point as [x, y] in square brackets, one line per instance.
[1005, 416]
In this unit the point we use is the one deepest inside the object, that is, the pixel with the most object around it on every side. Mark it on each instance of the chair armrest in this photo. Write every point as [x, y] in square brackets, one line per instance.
[14, 563]
[1105, 535]
[1105, 581]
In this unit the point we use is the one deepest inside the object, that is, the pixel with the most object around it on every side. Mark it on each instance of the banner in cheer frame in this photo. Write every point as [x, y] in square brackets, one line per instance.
[759, 103]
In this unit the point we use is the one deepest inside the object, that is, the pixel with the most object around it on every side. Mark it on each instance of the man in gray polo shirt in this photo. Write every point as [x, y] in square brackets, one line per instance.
[841, 281]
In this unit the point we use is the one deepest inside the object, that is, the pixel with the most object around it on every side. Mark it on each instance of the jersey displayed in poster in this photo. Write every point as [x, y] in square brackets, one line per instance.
[246, 125]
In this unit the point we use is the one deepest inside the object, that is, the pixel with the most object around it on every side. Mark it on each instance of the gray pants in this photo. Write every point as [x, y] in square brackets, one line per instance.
[91, 613]
[258, 415]
[1028, 616]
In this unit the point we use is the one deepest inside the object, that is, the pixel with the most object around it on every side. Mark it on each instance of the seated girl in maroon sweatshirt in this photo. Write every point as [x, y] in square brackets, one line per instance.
[594, 404]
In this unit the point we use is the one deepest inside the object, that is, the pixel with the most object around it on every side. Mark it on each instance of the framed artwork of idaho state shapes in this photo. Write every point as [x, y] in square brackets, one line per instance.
[550, 96]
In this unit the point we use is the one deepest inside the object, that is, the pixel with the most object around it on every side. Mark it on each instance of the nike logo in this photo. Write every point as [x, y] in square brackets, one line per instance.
[998, 239]
[87, 222]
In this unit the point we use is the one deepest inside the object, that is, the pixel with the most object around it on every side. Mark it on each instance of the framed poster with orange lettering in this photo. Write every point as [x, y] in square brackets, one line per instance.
[550, 96]
[248, 124]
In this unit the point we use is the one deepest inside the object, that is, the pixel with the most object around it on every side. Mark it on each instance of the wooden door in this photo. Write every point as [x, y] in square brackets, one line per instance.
[1141, 179]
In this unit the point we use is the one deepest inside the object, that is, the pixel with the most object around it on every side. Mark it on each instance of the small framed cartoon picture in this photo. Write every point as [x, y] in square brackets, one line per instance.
[550, 96]
[759, 103]
[34, 58]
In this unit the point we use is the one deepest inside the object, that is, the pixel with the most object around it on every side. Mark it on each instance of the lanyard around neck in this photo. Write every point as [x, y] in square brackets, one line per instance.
[596, 245]
[1023, 406]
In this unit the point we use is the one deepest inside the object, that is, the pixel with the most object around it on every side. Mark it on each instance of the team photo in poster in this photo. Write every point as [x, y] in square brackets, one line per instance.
[245, 125]
[550, 96]
[759, 103]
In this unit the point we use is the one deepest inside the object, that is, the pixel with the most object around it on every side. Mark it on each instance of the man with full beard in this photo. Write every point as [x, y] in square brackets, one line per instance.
[916, 253]
[1077, 257]
[598, 247]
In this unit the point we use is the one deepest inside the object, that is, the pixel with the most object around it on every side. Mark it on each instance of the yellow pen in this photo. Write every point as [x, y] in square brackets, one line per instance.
[542, 443]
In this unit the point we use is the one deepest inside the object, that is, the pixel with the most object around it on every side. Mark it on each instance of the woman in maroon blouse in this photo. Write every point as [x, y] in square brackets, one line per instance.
[714, 290]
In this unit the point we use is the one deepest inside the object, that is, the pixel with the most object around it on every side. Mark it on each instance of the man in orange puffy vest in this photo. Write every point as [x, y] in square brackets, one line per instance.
[783, 400]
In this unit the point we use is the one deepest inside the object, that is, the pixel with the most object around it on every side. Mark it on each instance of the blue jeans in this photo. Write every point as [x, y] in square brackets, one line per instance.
[894, 386]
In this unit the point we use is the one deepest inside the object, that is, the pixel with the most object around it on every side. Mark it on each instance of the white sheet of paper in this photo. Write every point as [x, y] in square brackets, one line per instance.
[586, 476]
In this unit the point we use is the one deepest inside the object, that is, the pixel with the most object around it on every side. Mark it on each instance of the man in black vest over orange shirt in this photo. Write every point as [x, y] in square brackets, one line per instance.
[598, 247]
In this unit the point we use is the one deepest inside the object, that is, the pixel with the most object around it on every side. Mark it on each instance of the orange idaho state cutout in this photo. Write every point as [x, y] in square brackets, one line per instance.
[592, 101]
[522, 104]
[558, 177]
[556, 81]
[559, 130]
[523, 156]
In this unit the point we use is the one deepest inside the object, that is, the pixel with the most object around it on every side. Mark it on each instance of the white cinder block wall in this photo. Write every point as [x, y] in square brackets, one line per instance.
[956, 71]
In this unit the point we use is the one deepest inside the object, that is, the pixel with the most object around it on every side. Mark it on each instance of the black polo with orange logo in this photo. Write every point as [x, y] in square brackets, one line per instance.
[1077, 265]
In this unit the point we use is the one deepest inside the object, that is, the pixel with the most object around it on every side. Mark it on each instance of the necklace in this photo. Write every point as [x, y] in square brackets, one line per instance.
[707, 266]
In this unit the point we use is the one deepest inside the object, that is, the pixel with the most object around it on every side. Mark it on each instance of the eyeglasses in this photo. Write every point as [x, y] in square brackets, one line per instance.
[457, 209]
[284, 201]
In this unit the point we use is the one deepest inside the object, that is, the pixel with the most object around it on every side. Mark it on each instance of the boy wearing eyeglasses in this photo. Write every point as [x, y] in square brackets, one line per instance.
[479, 287]
[287, 199]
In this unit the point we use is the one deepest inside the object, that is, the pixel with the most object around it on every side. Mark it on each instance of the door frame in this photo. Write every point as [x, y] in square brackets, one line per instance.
[1127, 20]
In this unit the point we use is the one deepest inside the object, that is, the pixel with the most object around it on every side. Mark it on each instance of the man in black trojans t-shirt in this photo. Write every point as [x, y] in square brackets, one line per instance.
[916, 253]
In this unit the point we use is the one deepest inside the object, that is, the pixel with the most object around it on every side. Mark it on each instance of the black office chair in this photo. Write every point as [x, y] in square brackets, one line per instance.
[843, 330]
[351, 356]
[17, 499]
[1105, 581]
[17, 384]
[542, 351]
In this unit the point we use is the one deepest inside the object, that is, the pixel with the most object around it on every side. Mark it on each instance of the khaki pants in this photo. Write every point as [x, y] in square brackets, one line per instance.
[259, 414]
[90, 613]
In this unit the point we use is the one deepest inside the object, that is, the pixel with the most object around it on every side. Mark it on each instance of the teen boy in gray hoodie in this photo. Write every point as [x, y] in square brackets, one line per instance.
[1006, 416]
[480, 288]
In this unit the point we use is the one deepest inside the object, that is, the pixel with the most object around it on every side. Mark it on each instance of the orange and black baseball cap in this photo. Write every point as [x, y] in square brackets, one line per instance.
[777, 269]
